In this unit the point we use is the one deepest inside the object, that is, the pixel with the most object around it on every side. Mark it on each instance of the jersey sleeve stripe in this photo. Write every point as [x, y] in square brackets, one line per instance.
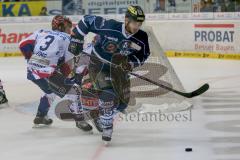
[26, 42]
[84, 23]
[80, 31]
[82, 27]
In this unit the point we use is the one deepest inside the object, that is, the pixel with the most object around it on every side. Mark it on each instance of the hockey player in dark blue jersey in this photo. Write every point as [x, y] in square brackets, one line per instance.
[121, 43]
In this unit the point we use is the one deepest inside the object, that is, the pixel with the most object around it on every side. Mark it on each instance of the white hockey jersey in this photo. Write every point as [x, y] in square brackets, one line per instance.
[47, 48]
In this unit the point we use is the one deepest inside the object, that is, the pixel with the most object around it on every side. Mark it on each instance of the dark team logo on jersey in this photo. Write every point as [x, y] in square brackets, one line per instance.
[111, 47]
[126, 48]
[126, 44]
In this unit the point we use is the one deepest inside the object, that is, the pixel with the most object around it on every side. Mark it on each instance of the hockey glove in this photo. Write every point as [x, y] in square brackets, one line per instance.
[122, 61]
[76, 45]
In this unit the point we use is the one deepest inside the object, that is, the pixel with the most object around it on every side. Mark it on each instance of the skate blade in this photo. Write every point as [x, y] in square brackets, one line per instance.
[40, 126]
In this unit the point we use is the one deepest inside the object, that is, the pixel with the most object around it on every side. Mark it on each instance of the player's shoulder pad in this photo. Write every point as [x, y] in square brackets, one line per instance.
[89, 18]
[66, 35]
[112, 23]
[102, 22]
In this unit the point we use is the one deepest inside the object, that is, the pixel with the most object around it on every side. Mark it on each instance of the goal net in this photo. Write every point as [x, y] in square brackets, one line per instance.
[146, 97]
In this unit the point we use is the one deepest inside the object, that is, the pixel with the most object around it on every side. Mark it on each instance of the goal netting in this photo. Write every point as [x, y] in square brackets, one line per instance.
[146, 97]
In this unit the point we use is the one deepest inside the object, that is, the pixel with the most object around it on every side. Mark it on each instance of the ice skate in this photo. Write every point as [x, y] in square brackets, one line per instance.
[107, 136]
[96, 122]
[42, 121]
[84, 126]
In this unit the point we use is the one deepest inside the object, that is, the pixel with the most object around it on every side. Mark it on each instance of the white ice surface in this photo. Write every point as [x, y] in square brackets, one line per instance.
[131, 140]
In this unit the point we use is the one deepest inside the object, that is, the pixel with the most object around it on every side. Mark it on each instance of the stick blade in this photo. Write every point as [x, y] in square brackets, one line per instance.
[199, 91]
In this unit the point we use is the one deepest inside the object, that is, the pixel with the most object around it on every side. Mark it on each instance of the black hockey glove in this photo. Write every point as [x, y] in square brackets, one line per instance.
[122, 61]
[76, 45]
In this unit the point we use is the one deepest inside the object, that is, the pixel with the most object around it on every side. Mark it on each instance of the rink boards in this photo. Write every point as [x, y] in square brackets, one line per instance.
[207, 36]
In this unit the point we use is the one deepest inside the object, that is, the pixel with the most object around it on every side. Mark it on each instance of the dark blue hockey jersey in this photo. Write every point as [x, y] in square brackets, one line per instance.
[113, 39]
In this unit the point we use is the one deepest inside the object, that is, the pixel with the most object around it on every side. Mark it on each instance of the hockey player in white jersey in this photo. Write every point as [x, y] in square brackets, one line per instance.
[43, 50]
[46, 51]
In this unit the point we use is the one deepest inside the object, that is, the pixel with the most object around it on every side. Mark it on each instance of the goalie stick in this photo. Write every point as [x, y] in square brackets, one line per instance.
[192, 94]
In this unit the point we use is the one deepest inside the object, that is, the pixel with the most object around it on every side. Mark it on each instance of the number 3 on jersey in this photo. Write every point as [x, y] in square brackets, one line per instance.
[48, 40]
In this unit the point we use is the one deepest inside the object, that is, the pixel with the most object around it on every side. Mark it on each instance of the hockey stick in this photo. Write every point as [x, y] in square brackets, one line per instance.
[192, 94]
